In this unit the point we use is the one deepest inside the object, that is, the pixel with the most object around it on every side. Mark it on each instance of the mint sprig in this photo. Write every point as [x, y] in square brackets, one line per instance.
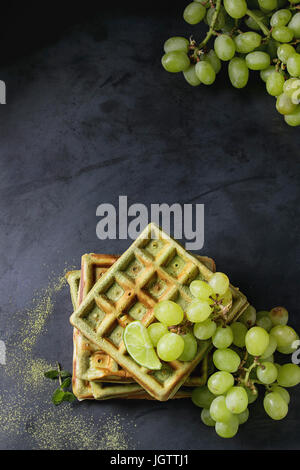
[64, 377]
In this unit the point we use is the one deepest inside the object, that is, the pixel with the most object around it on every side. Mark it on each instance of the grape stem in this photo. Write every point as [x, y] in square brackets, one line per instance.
[259, 22]
[254, 364]
[212, 25]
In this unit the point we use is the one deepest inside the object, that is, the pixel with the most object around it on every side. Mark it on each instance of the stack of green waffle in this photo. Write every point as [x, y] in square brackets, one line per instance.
[109, 292]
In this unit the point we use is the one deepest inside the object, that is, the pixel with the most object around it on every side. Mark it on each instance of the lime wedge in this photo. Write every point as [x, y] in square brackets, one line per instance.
[140, 347]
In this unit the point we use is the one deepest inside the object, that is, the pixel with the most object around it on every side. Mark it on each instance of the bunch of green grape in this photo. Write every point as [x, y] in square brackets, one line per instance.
[175, 342]
[174, 336]
[244, 357]
[249, 35]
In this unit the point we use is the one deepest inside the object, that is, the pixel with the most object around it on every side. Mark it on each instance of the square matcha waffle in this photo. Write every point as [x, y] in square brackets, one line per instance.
[85, 389]
[154, 268]
[91, 364]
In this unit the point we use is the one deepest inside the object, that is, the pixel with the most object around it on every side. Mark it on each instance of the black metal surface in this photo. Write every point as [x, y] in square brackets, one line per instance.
[91, 115]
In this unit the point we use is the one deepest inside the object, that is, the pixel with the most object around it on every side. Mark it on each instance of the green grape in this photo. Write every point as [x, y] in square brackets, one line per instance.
[228, 429]
[274, 85]
[201, 290]
[168, 312]
[219, 411]
[221, 18]
[264, 322]
[156, 331]
[285, 336]
[238, 72]
[251, 23]
[226, 359]
[284, 104]
[198, 311]
[235, 8]
[243, 417]
[194, 13]
[175, 61]
[236, 400]
[219, 281]
[285, 51]
[219, 382]
[269, 359]
[202, 397]
[267, 372]
[248, 317]
[295, 98]
[261, 314]
[225, 299]
[288, 375]
[205, 72]
[280, 18]
[222, 337]
[239, 331]
[266, 72]
[282, 34]
[205, 330]
[278, 366]
[271, 347]
[247, 42]
[252, 394]
[214, 61]
[293, 119]
[170, 347]
[257, 341]
[267, 5]
[289, 349]
[191, 77]
[257, 60]
[294, 25]
[293, 65]
[224, 47]
[176, 43]
[271, 48]
[289, 88]
[280, 315]
[190, 347]
[282, 391]
[206, 418]
[275, 406]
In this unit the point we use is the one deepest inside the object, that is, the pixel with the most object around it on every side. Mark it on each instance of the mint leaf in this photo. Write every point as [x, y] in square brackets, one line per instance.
[51, 374]
[58, 396]
[65, 373]
[69, 396]
[66, 383]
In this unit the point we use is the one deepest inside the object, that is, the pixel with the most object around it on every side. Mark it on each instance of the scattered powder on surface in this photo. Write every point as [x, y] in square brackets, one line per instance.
[30, 325]
[26, 410]
[62, 428]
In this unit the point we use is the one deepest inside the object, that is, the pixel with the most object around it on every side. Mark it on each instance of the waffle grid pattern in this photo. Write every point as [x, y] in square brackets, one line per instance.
[85, 389]
[154, 268]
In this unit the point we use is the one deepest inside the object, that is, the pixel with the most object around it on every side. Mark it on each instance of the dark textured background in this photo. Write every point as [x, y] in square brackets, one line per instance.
[91, 115]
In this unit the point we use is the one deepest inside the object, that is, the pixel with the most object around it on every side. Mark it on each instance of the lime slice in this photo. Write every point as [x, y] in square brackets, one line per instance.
[140, 347]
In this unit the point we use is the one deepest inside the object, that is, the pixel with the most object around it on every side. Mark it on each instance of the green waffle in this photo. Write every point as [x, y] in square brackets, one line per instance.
[154, 268]
[92, 364]
[85, 389]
